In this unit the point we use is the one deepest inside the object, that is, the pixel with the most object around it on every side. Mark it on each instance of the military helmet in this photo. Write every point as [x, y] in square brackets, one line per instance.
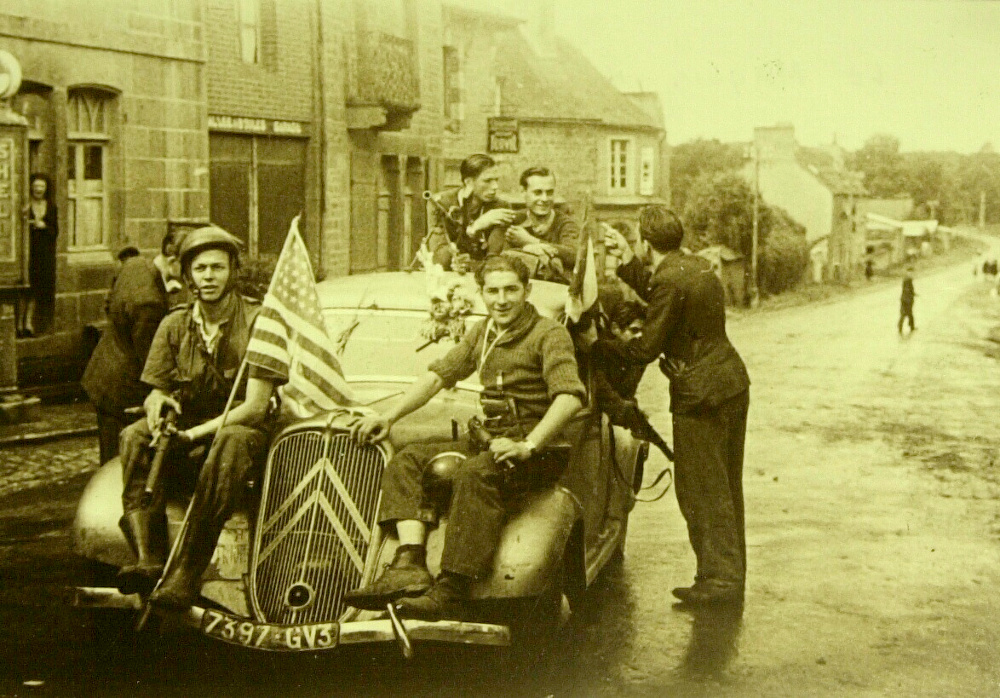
[210, 237]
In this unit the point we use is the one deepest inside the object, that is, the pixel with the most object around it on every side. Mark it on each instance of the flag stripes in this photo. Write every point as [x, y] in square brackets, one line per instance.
[289, 337]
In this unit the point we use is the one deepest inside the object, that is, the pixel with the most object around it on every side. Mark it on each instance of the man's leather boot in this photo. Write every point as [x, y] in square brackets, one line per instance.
[443, 601]
[406, 575]
[181, 586]
[146, 530]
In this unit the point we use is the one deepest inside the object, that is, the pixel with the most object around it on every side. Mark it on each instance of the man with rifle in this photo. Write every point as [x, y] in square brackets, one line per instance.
[192, 366]
[532, 390]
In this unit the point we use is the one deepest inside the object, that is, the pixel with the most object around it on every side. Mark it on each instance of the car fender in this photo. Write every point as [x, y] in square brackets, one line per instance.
[96, 534]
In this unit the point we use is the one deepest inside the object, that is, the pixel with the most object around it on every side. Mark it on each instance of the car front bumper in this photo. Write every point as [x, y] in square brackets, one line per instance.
[314, 637]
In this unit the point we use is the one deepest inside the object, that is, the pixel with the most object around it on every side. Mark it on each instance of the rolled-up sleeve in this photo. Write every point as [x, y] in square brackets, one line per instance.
[559, 367]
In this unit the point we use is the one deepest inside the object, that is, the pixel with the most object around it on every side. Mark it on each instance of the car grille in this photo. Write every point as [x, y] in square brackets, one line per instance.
[314, 528]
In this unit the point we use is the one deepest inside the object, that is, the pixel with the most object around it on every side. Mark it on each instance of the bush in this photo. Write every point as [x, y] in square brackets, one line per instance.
[785, 257]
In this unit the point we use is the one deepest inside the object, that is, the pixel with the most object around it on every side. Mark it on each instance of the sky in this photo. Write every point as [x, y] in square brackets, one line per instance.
[926, 71]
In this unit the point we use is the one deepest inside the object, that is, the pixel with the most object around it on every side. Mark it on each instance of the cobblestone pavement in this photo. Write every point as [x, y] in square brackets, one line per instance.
[51, 462]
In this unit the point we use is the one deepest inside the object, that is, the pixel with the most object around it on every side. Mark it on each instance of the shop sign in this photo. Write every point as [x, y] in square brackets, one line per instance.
[504, 136]
[246, 124]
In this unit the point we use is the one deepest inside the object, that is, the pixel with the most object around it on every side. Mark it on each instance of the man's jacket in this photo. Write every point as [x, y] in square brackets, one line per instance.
[686, 328]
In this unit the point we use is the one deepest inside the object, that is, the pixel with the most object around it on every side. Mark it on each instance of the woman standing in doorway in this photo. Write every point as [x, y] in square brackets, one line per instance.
[43, 227]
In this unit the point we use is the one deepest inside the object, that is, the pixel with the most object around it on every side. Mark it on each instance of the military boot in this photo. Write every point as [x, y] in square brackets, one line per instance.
[147, 532]
[406, 575]
[446, 600]
[181, 586]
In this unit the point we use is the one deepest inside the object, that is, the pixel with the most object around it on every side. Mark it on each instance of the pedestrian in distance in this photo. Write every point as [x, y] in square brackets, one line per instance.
[138, 301]
[685, 329]
[906, 302]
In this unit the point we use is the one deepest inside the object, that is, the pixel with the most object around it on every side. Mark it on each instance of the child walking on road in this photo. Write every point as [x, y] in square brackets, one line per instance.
[906, 302]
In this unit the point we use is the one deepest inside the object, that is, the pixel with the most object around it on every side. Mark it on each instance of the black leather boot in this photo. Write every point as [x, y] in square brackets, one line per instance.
[443, 601]
[406, 575]
[147, 532]
[181, 586]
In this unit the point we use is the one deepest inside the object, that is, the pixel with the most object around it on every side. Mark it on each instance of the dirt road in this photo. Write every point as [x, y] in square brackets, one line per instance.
[872, 511]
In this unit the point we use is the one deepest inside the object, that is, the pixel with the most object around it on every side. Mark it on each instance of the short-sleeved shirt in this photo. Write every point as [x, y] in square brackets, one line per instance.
[533, 361]
[179, 361]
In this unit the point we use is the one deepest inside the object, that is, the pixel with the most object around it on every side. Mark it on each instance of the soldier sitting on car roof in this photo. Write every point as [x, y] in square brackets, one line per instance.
[525, 362]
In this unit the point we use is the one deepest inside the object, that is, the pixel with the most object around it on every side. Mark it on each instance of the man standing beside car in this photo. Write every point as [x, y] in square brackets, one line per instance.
[469, 222]
[709, 395]
[543, 230]
[138, 301]
[192, 367]
[524, 359]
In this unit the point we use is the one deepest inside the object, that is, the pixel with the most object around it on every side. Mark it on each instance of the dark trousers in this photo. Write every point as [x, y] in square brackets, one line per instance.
[708, 476]
[109, 428]
[479, 495]
[906, 313]
[219, 484]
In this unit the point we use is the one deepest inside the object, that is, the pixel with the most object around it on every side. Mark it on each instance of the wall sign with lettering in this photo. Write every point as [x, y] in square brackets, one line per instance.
[248, 124]
[504, 135]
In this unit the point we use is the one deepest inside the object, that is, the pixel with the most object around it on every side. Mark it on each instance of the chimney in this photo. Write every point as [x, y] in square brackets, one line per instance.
[775, 143]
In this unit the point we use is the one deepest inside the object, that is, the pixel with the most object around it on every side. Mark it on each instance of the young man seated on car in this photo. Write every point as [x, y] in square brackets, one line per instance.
[542, 230]
[524, 361]
[469, 223]
[192, 365]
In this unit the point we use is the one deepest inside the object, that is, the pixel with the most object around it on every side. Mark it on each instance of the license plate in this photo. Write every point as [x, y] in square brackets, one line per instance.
[266, 636]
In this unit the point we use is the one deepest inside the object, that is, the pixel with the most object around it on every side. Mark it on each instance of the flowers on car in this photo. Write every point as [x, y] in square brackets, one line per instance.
[451, 302]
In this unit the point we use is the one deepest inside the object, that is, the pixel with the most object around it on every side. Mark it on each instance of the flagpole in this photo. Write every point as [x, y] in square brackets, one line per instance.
[213, 449]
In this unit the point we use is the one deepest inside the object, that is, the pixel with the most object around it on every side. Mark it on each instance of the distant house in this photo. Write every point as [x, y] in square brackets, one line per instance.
[527, 97]
[730, 267]
[816, 190]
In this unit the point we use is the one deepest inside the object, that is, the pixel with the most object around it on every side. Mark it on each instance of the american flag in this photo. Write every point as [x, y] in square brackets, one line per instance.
[290, 339]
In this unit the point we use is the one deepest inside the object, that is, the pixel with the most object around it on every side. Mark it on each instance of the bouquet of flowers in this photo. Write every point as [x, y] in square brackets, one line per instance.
[451, 302]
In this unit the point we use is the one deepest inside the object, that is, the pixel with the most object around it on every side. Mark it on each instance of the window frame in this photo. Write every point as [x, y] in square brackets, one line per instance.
[81, 103]
[620, 182]
[247, 26]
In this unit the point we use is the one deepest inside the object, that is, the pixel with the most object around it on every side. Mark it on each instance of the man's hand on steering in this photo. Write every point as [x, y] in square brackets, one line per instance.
[370, 429]
[505, 449]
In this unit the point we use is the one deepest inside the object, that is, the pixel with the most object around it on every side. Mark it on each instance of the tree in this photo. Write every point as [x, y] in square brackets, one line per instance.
[689, 161]
[879, 159]
[719, 210]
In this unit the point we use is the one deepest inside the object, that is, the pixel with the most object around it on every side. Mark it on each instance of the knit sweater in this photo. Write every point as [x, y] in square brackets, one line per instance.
[533, 361]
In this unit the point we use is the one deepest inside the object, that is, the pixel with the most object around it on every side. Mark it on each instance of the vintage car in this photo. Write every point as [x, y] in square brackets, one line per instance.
[280, 571]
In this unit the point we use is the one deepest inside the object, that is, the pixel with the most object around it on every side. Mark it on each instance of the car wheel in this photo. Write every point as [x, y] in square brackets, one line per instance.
[113, 630]
[535, 624]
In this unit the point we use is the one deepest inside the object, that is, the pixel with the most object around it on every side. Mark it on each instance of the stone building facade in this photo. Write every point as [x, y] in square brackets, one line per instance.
[114, 93]
[149, 114]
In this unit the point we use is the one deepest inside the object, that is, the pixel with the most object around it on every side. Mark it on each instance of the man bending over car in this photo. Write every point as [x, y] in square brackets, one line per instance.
[532, 390]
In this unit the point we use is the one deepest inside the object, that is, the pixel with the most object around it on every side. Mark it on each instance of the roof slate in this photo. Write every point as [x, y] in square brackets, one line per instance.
[560, 84]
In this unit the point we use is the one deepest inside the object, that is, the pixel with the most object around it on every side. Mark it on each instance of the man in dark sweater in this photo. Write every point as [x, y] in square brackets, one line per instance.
[526, 358]
[709, 396]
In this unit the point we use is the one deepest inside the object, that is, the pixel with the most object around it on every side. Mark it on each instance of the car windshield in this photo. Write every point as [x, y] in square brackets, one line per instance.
[385, 345]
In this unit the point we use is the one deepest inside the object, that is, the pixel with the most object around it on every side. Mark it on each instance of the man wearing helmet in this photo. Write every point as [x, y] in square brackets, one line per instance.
[192, 365]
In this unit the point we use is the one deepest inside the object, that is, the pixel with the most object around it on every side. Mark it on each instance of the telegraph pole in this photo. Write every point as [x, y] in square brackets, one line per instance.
[754, 288]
